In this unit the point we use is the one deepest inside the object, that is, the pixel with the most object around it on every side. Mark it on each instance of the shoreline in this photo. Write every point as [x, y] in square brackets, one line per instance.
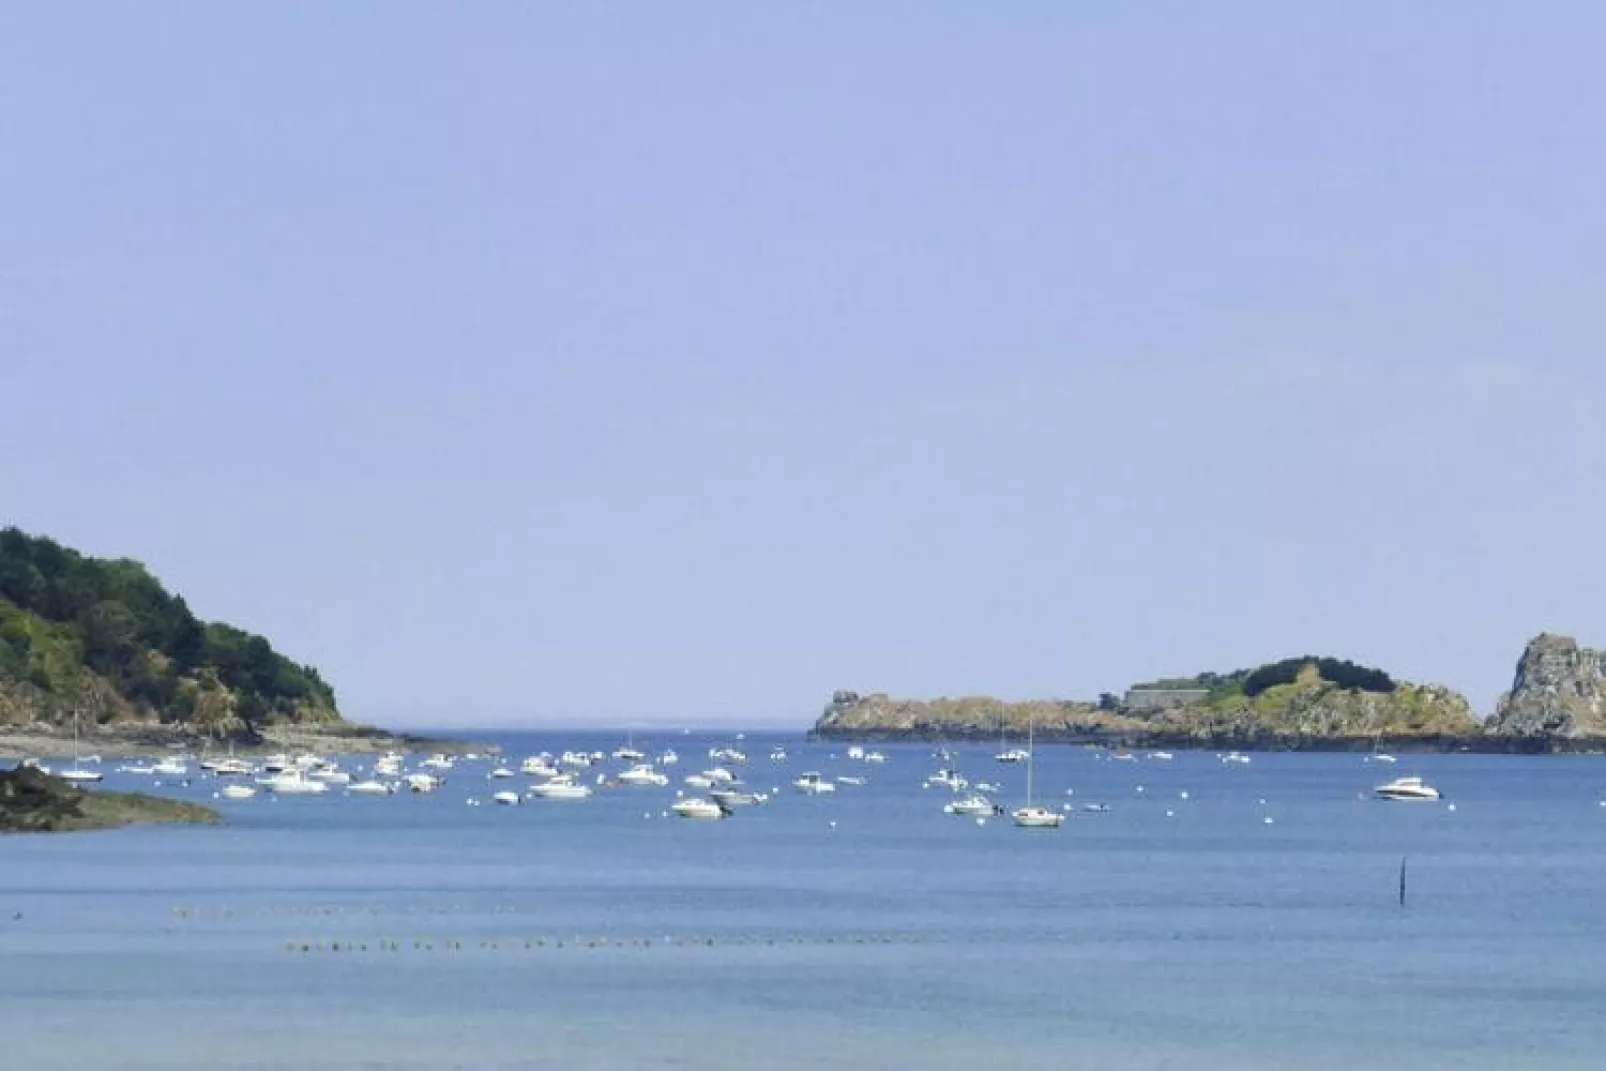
[1405, 744]
[144, 741]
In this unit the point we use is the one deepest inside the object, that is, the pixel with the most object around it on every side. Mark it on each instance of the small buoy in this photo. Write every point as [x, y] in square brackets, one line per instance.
[1171, 814]
[833, 823]
[980, 821]
[1267, 820]
[1140, 788]
[1261, 801]
[1452, 806]
[1182, 795]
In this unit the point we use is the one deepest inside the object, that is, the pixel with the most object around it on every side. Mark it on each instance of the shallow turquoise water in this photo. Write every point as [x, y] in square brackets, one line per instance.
[591, 936]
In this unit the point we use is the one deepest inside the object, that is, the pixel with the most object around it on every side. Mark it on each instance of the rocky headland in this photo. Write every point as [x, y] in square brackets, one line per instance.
[32, 801]
[1557, 703]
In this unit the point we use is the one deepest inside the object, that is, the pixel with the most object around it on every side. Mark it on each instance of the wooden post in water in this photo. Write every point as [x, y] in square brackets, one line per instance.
[1403, 858]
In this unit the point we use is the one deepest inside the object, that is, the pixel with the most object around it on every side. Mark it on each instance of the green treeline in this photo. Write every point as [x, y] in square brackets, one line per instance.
[62, 613]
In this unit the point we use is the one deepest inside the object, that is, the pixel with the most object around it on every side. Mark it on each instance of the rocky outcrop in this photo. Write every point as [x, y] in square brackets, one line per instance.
[1559, 693]
[32, 801]
[1308, 713]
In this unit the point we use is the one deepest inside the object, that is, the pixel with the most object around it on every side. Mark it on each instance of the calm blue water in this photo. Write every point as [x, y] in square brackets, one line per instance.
[603, 935]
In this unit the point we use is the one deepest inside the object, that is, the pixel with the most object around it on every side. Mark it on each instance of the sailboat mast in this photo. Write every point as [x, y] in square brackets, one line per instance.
[1031, 757]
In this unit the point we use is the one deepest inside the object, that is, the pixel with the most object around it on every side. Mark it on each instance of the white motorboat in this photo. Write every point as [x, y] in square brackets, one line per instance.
[728, 754]
[721, 776]
[170, 768]
[330, 775]
[874, 758]
[1237, 758]
[698, 808]
[295, 783]
[668, 757]
[539, 766]
[698, 780]
[949, 779]
[79, 775]
[813, 784]
[778, 754]
[438, 761]
[1123, 756]
[231, 767]
[850, 780]
[643, 774]
[575, 760]
[1161, 756]
[1013, 755]
[423, 784]
[1408, 789]
[560, 788]
[1032, 816]
[855, 752]
[500, 773]
[973, 805]
[237, 792]
[1381, 756]
[507, 799]
[370, 788]
[276, 763]
[142, 768]
[730, 798]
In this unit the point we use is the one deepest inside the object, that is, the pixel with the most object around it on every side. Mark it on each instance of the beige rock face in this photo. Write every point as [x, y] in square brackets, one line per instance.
[1559, 692]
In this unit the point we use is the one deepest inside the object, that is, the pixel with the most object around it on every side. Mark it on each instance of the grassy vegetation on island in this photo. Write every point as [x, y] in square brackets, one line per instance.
[104, 642]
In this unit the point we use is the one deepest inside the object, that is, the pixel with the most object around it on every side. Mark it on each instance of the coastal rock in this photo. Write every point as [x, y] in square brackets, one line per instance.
[1559, 692]
[32, 801]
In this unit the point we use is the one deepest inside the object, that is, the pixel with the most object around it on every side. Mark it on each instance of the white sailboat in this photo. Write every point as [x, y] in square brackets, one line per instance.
[1033, 816]
[77, 772]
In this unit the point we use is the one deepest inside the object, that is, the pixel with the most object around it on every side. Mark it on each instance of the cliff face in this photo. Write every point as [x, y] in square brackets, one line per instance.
[1559, 692]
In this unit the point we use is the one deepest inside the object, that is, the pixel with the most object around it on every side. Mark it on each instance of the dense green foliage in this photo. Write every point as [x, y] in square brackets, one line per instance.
[1345, 674]
[62, 613]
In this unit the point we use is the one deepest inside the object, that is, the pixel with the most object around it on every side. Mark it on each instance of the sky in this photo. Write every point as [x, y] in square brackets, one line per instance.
[630, 364]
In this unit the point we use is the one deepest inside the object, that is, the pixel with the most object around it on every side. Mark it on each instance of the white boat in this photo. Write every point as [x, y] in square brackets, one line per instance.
[330, 775]
[170, 768]
[720, 776]
[728, 754]
[77, 773]
[1381, 756]
[1161, 756]
[1123, 756]
[142, 768]
[729, 798]
[854, 781]
[276, 763]
[874, 758]
[668, 757]
[370, 788]
[949, 779]
[423, 784]
[1013, 755]
[507, 799]
[855, 752]
[1235, 758]
[778, 754]
[1411, 789]
[231, 767]
[697, 780]
[973, 805]
[560, 788]
[294, 783]
[629, 753]
[698, 808]
[1033, 816]
[813, 784]
[237, 792]
[438, 762]
[576, 760]
[538, 766]
[500, 773]
[643, 774]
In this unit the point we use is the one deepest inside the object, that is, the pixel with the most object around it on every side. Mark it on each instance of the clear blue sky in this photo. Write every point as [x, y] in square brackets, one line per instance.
[552, 364]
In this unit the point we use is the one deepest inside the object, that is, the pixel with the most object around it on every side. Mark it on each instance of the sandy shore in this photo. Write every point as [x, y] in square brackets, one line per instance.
[144, 740]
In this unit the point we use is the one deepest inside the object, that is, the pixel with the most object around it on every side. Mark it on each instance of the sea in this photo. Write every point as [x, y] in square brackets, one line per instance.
[1212, 916]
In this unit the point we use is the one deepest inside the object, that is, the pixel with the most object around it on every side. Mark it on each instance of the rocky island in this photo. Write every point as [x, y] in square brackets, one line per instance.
[101, 647]
[1557, 703]
[32, 801]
